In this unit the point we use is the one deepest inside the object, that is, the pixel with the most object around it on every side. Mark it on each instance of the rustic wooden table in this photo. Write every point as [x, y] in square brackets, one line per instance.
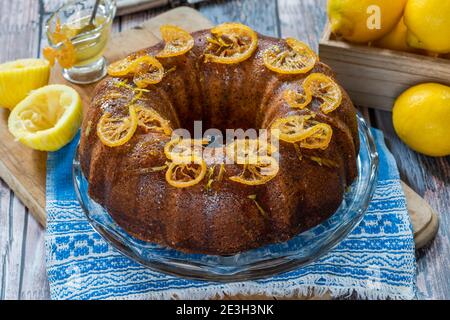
[22, 256]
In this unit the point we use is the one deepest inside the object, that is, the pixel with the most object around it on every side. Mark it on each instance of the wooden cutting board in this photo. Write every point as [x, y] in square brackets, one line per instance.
[23, 169]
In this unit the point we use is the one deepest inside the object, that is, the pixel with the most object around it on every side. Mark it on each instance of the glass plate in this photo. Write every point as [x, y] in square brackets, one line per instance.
[254, 264]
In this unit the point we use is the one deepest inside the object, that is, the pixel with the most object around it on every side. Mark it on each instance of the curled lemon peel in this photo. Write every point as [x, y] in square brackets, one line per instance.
[177, 41]
[322, 87]
[151, 120]
[115, 131]
[296, 60]
[185, 175]
[259, 171]
[231, 43]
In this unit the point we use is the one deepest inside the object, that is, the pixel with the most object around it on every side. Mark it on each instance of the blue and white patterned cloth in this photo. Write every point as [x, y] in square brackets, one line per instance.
[376, 261]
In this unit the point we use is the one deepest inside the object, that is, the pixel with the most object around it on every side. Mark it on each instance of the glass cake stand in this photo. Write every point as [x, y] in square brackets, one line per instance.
[254, 264]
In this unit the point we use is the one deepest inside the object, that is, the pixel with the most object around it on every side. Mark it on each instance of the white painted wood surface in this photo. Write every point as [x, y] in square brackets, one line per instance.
[22, 256]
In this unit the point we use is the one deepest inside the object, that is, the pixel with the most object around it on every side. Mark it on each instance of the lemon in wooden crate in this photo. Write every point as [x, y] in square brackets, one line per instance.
[48, 118]
[18, 78]
[428, 23]
[421, 117]
[396, 39]
[363, 21]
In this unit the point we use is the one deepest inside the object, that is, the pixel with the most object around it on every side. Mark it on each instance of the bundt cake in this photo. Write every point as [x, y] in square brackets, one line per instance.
[228, 77]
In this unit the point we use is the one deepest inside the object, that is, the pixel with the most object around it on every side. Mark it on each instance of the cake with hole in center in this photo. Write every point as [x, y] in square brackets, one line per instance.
[161, 188]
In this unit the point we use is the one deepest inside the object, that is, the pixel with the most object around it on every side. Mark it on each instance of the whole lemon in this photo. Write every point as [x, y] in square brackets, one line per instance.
[349, 18]
[421, 117]
[396, 39]
[428, 23]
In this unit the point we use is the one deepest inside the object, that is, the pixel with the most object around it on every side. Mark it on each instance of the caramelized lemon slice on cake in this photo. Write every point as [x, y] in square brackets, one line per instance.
[178, 41]
[320, 139]
[298, 59]
[147, 70]
[259, 170]
[297, 99]
[231, 43]
[324, 88]
[242, 150]
[151, 120]
[184, 175]
[114, 131]
[48, 118]
[123, 67]
[181, 150]
[18, 78]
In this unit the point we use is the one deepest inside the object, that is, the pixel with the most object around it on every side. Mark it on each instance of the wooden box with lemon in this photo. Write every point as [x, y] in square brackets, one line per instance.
[395, 55]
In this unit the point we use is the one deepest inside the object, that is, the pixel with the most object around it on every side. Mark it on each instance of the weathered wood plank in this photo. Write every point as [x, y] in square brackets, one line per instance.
[430, 177]
[19, 35]
[261, 15]
[304, 20]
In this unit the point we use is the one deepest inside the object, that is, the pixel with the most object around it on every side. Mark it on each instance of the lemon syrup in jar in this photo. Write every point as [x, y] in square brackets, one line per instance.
[76, 44]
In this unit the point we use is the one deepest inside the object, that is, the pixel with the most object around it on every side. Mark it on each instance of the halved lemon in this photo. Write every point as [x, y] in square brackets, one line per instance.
[259, 171]
[178, 41]
[231, 43]
[48, 118]
[298, 59]
[18, 78]
[324, 88]
[114, 131]
[151, 120]
[184, 175]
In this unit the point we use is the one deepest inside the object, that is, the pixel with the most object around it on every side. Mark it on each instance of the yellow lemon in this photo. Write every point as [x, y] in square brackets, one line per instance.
[428, 23]
[421, 118]
[48, 118]
[356, 20]
[18, 78]
[396, 39]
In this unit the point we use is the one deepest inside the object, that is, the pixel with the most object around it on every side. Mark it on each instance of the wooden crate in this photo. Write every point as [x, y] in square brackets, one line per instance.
[375, 77]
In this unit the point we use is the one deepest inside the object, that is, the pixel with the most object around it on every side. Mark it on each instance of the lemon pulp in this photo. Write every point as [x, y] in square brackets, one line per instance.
[18, 78]
[48, 118]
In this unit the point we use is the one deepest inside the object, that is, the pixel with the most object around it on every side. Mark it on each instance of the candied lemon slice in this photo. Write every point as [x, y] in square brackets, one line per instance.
[147, 70]
[243, 150]
[299, 59]
[151, 120]
[184, 175]
[259, 170]
[114, 131]
[231, 43]
[48, 118]
[294, 128]
[122, 67]
[18, 78]
[178, 41]
[297, 99]
[320, 139]
[181, 150]
[324, 88]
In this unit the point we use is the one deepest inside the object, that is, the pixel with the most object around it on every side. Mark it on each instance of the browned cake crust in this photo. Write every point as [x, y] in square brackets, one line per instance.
[222, 220]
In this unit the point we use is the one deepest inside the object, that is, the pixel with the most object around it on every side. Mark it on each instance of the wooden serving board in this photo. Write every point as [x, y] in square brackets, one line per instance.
[23, 169]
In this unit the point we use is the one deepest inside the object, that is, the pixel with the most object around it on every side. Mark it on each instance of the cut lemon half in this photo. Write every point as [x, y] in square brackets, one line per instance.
[48, 118]
[260, 171]
[18, 78]
[325, 89]
[231, 43]
[151, 120]
[178, 41]
[114, 131]
[184, 175]
[297, 60]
